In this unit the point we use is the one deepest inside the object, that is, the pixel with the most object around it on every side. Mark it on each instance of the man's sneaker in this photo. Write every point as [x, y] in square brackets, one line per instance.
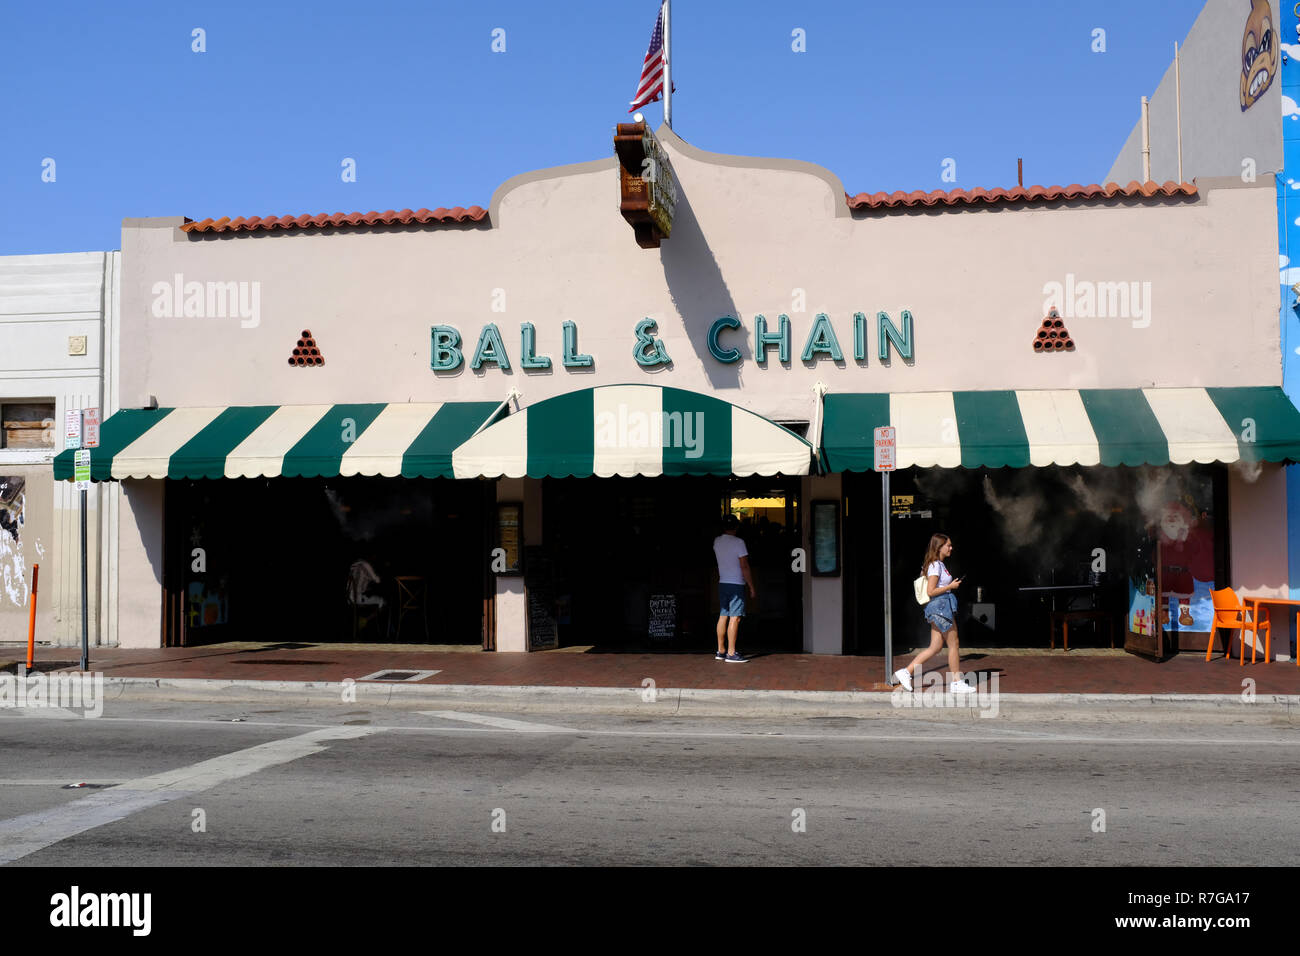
[904, 677]
[961, 687]
[736, 659]
[720, 656]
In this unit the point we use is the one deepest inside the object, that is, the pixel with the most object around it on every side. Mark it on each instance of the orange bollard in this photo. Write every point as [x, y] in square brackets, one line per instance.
[31, 620]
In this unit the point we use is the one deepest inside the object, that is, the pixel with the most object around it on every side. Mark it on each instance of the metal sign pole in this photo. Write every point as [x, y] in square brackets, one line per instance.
[885, 441]
[85, 610]
[889, 608]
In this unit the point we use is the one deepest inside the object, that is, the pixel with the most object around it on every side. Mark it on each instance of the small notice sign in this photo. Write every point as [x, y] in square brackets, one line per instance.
[72, 428]
[81, 469]
[886, 445]
[90, 428]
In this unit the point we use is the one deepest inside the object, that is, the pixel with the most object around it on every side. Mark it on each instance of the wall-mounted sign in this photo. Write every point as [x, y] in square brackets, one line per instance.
[448, 349]
[647, 186]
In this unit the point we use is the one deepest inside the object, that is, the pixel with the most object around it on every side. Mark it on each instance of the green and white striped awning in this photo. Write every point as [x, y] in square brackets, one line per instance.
[632, 430]
[267, 441]
[1148, 426]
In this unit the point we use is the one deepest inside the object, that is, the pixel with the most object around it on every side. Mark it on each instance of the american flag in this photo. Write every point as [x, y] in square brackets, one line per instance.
[651, 86]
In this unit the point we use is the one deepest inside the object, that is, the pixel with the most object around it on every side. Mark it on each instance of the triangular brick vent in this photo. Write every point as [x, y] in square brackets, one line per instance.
[1052, 335]
[306, 353]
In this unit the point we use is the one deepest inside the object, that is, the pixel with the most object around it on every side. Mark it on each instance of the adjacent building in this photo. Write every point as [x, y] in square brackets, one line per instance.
[58, 328]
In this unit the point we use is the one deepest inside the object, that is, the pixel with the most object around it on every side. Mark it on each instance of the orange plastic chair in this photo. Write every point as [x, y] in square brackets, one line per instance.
[1229, 613]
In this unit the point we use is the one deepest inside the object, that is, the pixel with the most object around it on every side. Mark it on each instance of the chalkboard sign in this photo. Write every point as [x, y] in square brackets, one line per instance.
[663, 615]
[539, 583]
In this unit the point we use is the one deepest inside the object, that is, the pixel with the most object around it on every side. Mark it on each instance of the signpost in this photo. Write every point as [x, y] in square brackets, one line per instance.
[82, 433]
[72, 428]
[90, 429]
[886, 447]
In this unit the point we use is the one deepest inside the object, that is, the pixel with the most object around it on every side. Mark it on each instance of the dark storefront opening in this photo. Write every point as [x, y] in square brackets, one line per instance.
[1041, 528]
[305, 560]
[631, 561]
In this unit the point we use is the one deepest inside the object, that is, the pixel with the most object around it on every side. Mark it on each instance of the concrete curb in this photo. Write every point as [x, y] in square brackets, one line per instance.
[698, 702]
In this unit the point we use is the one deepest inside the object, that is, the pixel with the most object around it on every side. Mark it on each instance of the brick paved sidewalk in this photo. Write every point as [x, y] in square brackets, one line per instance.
[1019, 671]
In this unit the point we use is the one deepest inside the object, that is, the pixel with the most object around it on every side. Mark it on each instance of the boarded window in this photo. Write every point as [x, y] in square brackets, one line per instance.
[27, 425]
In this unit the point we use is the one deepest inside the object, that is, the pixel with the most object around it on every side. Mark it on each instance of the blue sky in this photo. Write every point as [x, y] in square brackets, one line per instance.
[138, 124]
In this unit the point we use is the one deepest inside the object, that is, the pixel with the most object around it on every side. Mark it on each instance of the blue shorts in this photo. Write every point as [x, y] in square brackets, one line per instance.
[732, 599]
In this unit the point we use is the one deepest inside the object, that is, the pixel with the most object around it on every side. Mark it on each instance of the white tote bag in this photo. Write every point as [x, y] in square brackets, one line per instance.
[922, 591]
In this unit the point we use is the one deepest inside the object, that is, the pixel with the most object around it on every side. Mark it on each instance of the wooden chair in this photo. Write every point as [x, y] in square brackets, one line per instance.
[1229, 613]
[412, 598]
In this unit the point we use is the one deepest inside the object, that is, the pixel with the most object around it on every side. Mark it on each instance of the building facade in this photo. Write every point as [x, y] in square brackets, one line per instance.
[518, 425]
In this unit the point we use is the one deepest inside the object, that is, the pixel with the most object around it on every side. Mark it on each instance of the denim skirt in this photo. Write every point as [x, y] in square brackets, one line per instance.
[941, 612]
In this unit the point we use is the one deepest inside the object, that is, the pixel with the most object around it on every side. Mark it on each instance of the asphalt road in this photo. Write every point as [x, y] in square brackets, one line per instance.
[349, 785]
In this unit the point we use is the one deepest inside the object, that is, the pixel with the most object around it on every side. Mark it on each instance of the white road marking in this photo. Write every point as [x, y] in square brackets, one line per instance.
[920, 737]
[24, 835]
[500, 723]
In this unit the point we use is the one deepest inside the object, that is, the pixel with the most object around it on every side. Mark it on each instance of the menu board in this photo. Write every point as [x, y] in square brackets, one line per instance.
[663, 616]
[826, 537]
[509, 529]
[540, 586]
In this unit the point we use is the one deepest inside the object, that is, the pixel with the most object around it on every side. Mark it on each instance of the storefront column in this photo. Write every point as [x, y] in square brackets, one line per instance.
[140, 564]
[511, 595]
[823, 597]
[1257, 546]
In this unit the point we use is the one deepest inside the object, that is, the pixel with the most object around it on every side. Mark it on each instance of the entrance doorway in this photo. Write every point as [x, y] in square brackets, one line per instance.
[619, 546]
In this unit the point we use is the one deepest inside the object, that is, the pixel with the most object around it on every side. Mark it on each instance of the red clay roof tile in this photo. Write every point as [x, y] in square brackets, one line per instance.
[323, 221]
[978, 196]
[938, 197]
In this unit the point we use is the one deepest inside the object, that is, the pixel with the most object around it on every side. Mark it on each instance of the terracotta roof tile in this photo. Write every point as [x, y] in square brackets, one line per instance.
[977, 196]
[323, 221]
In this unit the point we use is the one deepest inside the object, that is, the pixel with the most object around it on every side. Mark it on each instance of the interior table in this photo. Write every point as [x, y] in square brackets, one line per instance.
[1071, 592]
[1253, 604]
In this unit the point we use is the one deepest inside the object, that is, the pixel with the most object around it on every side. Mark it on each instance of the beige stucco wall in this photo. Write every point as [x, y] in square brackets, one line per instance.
[1257, 547]
[140, 566]
[746, 240]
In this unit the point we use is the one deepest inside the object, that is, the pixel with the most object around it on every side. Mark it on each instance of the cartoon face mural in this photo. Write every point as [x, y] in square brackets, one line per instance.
[1259, 54]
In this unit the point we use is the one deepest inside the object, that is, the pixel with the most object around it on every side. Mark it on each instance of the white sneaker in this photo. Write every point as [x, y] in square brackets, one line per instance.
[904, 677]
[961, 687]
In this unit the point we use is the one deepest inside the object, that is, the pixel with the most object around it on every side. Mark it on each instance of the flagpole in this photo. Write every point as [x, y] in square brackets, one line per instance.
[668, 63]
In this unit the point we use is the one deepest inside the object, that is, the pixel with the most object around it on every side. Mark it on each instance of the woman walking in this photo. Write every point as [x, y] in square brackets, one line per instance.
[941, 613]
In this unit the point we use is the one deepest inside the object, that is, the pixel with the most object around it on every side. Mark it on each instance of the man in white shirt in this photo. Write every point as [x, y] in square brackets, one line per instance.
[733, 578]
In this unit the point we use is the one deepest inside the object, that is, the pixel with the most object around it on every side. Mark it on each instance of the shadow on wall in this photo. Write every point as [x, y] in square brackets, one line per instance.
[146, 502]
[699, 290]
